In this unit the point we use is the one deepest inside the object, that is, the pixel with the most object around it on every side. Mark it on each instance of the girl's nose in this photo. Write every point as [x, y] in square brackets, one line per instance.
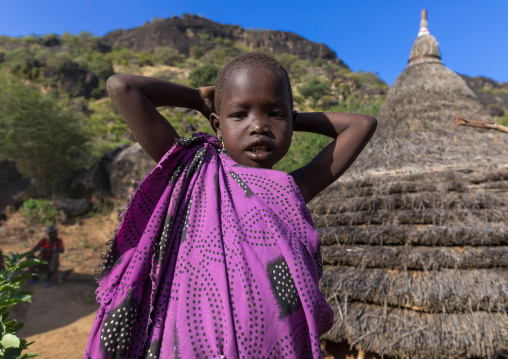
[259, 124]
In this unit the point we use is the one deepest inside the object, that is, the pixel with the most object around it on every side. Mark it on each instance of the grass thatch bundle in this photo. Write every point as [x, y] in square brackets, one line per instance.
[416, 258]
[444, 180]
[409, 201]
[432, 216]
[410, 236]
[417, 335]
[432, 291]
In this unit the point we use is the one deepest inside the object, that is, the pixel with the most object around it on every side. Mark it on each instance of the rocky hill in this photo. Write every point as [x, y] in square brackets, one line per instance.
[191, 30]
[490, 93]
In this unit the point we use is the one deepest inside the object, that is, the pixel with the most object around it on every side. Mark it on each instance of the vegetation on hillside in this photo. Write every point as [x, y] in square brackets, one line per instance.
[55, 116]
[11, 294]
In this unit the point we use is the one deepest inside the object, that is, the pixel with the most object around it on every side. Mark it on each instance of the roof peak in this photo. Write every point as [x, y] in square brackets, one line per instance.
[425, 48]
[424, 25]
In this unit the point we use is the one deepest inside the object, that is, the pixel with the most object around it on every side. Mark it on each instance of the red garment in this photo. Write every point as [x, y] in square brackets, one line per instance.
[46, 244]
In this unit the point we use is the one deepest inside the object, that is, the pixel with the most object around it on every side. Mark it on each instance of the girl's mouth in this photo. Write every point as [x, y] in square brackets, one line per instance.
[259, 152]
[259, 148]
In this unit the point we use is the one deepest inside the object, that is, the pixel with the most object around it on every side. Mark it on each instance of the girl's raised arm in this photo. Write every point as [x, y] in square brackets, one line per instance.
[351, 132]
[136, 98]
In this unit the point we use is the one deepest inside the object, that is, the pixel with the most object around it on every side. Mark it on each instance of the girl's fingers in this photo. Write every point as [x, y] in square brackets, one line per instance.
[207, 94]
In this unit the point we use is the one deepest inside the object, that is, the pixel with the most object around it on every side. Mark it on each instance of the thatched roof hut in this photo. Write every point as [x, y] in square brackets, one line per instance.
[414, 241]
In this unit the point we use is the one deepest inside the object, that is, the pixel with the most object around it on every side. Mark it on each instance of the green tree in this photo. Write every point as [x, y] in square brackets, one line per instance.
[102, 68]
[203, 75]
[45, 142]
[315, 89]
[22, 63]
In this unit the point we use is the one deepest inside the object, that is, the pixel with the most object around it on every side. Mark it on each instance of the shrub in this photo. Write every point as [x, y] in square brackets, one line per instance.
[299, 99]
[39, 210]
[315, 89]
[203, 75]
[367, 78]
[196, 51]
[144, 58]
[167, 56]
[11, 279]
[121, 56]
[295, 67]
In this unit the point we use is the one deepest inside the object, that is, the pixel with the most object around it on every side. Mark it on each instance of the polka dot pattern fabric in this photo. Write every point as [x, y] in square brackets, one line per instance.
[212, 260]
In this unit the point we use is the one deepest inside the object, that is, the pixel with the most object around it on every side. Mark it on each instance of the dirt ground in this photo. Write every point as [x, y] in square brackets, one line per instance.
[61, 317]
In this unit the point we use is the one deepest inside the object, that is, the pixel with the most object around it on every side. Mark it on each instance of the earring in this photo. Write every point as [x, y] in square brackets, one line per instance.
[219, 137]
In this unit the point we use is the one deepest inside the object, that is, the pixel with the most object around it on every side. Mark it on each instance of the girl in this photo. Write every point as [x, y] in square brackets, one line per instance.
[217, 256]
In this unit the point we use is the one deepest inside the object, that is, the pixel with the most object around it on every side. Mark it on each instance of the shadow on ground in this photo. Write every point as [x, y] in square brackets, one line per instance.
[58, 305]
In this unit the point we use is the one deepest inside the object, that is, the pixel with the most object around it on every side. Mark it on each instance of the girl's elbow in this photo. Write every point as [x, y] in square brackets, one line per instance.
[116, 84]
[368, 123]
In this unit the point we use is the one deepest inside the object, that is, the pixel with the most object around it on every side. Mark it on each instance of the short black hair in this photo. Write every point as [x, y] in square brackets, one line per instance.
[250, 59]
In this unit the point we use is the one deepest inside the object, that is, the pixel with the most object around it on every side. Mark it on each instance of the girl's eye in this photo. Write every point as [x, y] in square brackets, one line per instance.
[238, 115]
[277, 114]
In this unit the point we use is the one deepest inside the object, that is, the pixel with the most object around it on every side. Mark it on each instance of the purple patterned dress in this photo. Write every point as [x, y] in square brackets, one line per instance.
[212, 260]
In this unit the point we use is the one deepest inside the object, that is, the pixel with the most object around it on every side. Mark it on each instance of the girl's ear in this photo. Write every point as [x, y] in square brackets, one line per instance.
[293, 118]
[215, 122]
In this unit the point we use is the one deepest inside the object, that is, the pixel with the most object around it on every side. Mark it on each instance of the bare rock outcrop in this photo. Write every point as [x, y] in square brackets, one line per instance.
[72, 207]
[127, 169]
[93, 184]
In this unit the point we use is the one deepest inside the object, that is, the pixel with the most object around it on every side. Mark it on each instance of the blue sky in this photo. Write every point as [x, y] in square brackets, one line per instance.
[370, 35]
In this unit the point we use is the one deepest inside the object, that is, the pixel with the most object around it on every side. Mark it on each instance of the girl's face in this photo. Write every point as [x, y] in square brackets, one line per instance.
[256, 120]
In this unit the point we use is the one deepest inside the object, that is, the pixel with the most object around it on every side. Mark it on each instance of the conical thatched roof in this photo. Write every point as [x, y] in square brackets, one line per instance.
[416, 128]
[414, 242]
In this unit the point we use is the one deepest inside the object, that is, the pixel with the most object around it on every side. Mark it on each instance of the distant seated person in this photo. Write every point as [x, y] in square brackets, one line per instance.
[50, 249]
